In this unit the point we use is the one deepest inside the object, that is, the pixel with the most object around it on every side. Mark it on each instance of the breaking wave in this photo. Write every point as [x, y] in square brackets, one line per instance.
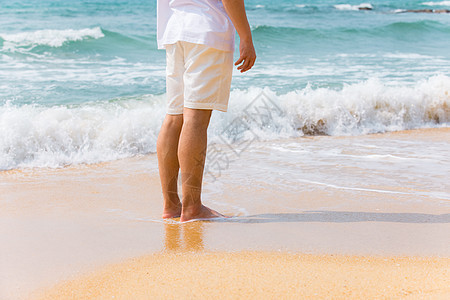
[33, 135]
[353, 7]
[48, 37]
[441, 3]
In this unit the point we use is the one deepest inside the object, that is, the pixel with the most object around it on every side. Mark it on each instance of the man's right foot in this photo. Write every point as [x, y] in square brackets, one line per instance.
[202, 213]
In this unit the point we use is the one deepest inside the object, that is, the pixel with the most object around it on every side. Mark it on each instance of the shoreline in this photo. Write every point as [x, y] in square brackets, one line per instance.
[260, 274]
[420, 133]
[383, 195]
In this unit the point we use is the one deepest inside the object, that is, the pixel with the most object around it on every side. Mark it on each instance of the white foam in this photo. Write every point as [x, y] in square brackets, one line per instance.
[48, 37]
[362, 108]
[353, 7]
[352, 188]
[114, 72]
[409, 56]
[441, 3]
[38, 136]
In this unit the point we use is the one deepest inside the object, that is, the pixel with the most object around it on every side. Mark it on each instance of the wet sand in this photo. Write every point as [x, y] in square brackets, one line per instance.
[379, 198]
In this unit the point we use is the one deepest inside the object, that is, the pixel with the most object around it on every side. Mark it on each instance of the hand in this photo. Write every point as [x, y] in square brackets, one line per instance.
[248, 56]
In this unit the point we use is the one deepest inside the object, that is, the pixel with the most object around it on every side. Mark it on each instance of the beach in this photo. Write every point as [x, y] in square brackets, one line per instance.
[263, 275]
[89, 223]
[331, 163]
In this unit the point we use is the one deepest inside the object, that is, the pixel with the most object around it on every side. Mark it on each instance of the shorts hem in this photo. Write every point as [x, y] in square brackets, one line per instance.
[213, 106]
[174, 112]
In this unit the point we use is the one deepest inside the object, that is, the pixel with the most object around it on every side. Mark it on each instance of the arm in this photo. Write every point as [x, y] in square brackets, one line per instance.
[236, 11]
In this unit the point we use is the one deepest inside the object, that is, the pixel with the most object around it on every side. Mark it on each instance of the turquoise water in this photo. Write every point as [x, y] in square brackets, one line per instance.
[82, 81]
[101, 50]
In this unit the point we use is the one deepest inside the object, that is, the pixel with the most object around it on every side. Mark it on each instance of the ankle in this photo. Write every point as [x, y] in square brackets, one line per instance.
[172, 204]
[191, 209]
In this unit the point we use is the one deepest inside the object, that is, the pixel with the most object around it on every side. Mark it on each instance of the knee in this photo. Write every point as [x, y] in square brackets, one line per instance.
[196, 118]
[170, 130]
[173, 121]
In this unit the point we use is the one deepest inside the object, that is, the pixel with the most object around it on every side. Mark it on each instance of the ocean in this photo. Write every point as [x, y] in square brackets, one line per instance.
[83, 82]
[336, 142]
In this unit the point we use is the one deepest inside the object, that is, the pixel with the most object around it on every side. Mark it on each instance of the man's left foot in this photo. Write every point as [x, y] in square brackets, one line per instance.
[169, 213]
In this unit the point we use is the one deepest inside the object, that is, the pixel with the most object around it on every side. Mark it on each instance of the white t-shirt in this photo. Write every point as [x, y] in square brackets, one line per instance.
[202, 22]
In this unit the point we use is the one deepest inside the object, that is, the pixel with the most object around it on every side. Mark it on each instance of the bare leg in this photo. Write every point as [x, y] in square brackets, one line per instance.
[191, 155]
[166, 148]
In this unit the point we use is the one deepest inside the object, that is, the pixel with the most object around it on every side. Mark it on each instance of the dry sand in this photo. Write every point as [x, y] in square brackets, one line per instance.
[262, 275]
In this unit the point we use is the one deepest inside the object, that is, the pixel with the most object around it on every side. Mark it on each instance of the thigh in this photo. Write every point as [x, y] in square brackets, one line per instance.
[207, 77]
[174, 78]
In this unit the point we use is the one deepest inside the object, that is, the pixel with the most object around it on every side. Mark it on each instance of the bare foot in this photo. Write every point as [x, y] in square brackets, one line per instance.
[202, 213]
[171, 212]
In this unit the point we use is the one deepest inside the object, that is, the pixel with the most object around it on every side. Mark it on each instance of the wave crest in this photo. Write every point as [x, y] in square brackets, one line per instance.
[48, 37]
[38, 136]
[441, 3]
[353, 7]
[392, 29]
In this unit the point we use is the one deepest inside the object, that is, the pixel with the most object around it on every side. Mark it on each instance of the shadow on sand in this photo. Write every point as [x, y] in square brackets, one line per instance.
[189, 237]
[342, 217]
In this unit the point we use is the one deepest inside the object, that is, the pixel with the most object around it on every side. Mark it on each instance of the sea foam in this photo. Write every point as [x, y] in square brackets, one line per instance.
[353, 7]
[48, 37]
[39, 136]
[441, 3]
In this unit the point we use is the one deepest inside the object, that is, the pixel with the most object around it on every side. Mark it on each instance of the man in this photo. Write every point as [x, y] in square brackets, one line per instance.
[198, 36]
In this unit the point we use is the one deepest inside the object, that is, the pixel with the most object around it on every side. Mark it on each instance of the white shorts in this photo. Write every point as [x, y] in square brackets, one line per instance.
[198, 77]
